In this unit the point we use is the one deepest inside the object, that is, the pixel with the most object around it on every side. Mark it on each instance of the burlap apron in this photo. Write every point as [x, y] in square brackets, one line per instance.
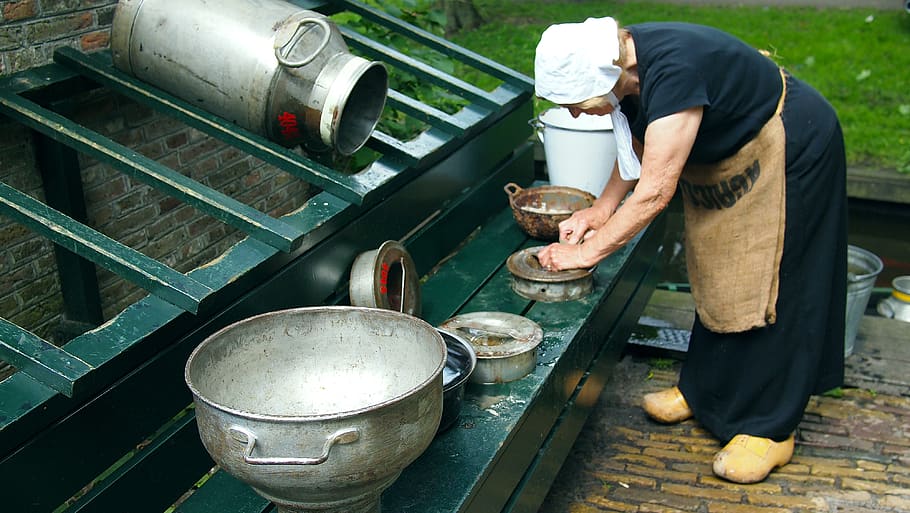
[734, 230]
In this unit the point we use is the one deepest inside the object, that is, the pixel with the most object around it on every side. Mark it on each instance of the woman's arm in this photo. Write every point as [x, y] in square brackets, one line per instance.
[575, 228]
[668, 141]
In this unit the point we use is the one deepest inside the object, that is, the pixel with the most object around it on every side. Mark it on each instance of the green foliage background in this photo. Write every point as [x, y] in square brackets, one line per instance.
[859, 59]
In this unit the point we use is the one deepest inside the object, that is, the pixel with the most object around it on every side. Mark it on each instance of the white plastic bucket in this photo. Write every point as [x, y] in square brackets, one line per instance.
[580, 152]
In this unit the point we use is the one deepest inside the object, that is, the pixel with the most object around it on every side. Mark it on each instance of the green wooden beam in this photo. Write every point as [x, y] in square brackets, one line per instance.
[220, 206]
[426, 113]
[421, 69]
[98, 67]
[40, 359]
[153, 276]
[439, 44]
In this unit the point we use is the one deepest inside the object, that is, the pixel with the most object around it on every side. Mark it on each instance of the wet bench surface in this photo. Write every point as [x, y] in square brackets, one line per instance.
[510, 439]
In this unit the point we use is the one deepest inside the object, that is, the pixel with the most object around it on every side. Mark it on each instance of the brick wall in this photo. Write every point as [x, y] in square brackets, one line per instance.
[118, 206]
[30, 30]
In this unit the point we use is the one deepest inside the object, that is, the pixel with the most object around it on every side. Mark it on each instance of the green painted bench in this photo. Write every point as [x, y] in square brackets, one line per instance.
[501, 455]
[105, 423]
[510, 439]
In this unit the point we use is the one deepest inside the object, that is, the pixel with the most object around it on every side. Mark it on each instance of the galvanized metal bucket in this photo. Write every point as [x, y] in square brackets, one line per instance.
[862, 269]
[267, 65]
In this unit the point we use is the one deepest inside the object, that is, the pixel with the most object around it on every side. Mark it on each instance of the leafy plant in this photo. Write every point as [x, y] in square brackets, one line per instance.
[426, 15]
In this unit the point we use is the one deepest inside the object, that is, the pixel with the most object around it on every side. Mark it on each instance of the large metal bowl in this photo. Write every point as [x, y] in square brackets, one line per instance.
[319, 409]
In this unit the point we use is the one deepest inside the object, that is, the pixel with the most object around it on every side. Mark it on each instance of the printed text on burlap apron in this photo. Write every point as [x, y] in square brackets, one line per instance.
[734, 230]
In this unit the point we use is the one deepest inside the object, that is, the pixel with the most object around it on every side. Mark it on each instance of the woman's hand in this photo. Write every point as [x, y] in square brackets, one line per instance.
[559, 257]
[581, 225]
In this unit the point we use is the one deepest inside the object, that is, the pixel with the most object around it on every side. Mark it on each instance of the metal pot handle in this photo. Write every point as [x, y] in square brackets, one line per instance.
[538, 127]
[282, 56]
[512, 189]
[342, 436]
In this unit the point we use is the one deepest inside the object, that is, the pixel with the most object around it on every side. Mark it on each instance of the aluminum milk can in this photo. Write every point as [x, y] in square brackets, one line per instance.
[267, 65]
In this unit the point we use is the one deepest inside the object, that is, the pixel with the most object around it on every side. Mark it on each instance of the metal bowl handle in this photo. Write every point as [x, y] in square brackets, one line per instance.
[342, 436]
[282, 56]
[512, 189]
[538, 127]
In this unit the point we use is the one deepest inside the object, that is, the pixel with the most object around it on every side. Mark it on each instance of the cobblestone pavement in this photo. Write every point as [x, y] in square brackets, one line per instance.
[852, 453]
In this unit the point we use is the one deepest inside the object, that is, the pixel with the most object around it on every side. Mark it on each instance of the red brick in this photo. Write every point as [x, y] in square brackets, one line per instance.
[14, 11]
[95, 40]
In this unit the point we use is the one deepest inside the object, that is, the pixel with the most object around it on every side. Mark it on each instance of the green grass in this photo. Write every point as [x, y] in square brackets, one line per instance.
[859, 59]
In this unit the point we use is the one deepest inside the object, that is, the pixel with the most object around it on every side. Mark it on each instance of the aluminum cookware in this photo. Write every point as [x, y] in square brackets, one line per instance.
[506, 344]
[460, 363]
[386, 278]
[319, 409]
[539, 210]
[530, 280]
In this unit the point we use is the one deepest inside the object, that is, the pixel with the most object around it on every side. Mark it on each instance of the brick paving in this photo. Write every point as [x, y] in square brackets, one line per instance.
[852, 453]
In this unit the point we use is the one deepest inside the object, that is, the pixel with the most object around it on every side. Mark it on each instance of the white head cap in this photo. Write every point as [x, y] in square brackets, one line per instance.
[574, 61]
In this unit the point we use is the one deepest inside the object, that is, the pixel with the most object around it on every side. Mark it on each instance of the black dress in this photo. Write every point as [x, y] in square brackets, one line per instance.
[758, 382]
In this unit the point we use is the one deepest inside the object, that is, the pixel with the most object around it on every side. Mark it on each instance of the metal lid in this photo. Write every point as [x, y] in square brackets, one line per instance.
[524, 264]
[496, 334]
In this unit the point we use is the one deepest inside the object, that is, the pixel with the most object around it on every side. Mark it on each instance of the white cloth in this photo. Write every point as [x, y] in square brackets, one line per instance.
[574, 61]
[629, 165]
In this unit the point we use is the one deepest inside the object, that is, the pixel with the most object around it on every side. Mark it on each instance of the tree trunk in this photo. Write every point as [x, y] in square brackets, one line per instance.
[461, 15]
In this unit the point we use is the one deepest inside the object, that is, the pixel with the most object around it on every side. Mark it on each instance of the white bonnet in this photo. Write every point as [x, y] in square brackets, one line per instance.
[574, 61]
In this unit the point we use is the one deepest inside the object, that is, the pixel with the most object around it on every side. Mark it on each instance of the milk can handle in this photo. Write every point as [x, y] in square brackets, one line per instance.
[282, 56]
[342, 436]
[885, 309]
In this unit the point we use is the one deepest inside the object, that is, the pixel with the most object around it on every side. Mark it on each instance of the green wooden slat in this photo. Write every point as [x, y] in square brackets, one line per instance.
[426, 113]
[40, 359]
[222, 207]
[154, 475]
[145, 272]
[98, 67]
[423, 70]
[224, 493]
[440, 44]
[468, 270]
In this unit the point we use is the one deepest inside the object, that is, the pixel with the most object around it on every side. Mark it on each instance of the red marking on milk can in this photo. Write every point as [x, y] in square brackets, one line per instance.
[288, 123]
[384, 279]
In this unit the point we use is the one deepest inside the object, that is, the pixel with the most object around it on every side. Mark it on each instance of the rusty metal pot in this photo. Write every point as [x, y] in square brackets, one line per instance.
[320, 408]
[539, 210]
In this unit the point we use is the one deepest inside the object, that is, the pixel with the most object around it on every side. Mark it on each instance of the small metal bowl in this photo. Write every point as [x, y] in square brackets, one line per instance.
[460, 363]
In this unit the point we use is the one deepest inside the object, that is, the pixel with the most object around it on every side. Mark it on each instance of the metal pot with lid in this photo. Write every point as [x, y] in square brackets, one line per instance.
[506, 344]
[268, 66]
[530, 280]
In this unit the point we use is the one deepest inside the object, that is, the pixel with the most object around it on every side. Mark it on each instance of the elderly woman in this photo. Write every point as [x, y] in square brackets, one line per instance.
[758, 158]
